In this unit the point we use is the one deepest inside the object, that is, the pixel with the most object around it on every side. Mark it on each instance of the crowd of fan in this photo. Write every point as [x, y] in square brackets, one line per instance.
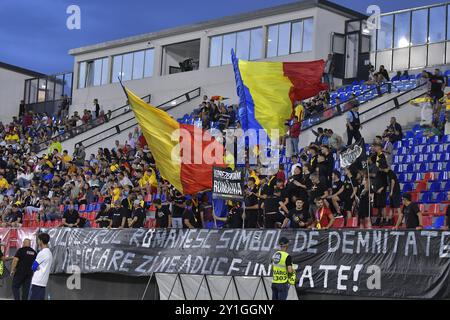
[38, 130]
[306, 192]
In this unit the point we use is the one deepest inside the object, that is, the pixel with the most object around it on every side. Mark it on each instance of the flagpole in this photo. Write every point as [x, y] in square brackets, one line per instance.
[214, 215]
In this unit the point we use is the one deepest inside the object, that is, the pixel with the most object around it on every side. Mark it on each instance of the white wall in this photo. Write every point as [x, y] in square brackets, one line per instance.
[11, 92]
[215, 80]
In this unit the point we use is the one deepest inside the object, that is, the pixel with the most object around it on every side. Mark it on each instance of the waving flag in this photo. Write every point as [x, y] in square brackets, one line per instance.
[267, 90]
[180, 150]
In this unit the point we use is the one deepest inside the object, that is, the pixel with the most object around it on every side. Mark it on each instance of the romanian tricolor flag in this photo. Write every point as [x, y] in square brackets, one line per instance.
[184, 155]
[268, 90]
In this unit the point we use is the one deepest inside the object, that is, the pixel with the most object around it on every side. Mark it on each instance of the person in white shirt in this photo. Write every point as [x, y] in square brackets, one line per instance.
[41, 267]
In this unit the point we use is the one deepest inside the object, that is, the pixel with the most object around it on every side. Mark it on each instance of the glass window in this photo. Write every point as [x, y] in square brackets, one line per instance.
[127, 66]
[284, 39]
[215, 53]
[419, 27]
[138, 65]
[384, 39]
[105, 69]
[401, 30]
[116, 69]
[272, 41]
[437, 24]
[243, 45]
[148, 68]
[97, 72]
[307, 34]
[89, 73]
[82, 75]
[296, 37]
[256, 44]
[229, 42]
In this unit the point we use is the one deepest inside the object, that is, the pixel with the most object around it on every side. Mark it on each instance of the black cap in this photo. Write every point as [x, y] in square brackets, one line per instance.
[283, 241]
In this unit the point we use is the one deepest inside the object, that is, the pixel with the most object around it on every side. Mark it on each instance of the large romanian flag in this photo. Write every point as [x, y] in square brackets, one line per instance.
[184, 154]
[268, 90]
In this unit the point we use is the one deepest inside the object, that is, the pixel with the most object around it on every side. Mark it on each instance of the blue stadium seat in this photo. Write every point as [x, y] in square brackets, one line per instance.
[438, 148]
[442, 196]
[407, 187]
[434, 139]
[446, 139]
[402, 178]
[409, 135]
[416, 128]
[443, 176]
[447, 186]
[419, 140]
[435, 187]
[397, 144]
[416, 176]
[425, 197]
[437, 166]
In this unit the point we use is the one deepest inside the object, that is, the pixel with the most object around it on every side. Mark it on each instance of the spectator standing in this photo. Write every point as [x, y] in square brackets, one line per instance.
[294, 133]
[446, 225]
[251, 204]
[96, 108]
[394, 193]
[353, 126]
[381, 184]
[189, 219]
[385, 77]
[411, 213]
[162, 214]
[324, 218]
[298, 217]
[365, 195]
[395, 130]
[438, 84]
[178, 210]
[328, 72]
[137, 216]
[41, 267]
[21, 270]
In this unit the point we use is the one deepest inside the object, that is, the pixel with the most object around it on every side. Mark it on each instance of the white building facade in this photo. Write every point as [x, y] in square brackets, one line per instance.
[150, 63]
[12, 79]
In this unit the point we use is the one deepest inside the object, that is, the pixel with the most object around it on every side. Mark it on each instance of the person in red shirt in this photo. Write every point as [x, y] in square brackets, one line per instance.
[294, 133]
[324, 218]
[280, 174]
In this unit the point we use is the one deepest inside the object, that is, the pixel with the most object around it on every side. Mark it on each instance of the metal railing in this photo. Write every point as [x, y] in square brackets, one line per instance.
[73, 132]
[337, 110]
[131, 122]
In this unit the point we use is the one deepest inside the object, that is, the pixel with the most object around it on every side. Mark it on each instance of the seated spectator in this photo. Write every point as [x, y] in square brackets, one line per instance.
[12, 218]
[71, 217]
[397, 76]
[432, 131]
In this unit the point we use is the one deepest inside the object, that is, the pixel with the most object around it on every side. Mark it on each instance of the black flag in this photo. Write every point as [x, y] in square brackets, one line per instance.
[355, 155]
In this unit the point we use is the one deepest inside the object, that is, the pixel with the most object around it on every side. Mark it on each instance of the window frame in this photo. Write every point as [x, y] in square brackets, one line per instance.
[235, 45]
[302, 36]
